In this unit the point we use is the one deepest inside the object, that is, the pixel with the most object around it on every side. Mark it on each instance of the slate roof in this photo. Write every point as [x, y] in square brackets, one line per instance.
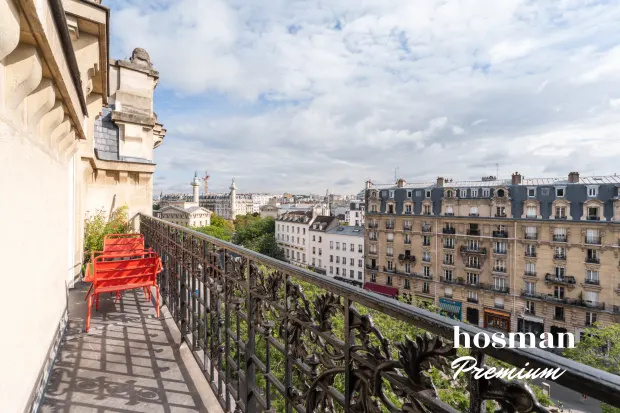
[106, 136]
[356, 231]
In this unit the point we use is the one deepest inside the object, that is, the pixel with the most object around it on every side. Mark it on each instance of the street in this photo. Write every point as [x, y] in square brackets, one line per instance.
[570, 399]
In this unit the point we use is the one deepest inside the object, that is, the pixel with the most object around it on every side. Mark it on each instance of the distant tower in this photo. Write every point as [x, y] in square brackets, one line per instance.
[205, 179]
[196, 187]
[233, 199]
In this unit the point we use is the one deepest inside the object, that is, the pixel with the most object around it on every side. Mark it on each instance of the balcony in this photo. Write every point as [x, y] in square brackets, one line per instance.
[426, 228]
[475, 232]
[592, 240]
[448, 246]
[591, 281]
[593, 260]
[473, 265]
[407, 257]
[449, 230]
[560, 238]
[593, 218]
[407, 241]
[408, 212]
[472, 300]
[567, 301]
[500, 234]
[407, 227]
[390, 270]
[499, 252]
[531, 236]
[530, 274]
[500, 215]
[389, 226]
[559, 257]
[372, 267]
[554, 279]
[530, 254]
[474, 214]
[208, 343]
[373, 225]
[468, 250]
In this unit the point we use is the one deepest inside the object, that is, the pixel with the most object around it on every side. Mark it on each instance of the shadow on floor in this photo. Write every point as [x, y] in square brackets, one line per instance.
[128, 362]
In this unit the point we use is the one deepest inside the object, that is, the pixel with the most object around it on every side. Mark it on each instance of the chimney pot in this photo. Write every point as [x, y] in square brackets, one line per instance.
[573, 177]
[516, 178]
[440, 182]
[400, 183]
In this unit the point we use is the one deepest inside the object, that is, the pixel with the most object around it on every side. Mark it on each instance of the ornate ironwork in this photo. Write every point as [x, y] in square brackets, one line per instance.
[273, 337]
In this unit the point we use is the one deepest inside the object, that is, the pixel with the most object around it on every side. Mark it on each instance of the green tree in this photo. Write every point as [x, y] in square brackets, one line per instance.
[97, 226]
[599, 348]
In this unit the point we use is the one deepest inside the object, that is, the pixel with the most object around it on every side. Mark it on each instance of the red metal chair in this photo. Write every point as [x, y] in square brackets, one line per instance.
[120, 243]
[134, 270]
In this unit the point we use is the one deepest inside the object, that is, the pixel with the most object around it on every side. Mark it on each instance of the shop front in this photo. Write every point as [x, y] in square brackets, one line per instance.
[473, 316]
[451, 308]
[530, 324]
[497, 320]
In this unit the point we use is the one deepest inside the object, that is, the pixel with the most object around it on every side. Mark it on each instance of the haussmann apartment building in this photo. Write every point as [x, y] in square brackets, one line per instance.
[531, 255]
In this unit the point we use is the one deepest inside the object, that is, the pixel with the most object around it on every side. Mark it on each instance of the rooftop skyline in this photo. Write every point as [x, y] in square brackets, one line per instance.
[297, 95]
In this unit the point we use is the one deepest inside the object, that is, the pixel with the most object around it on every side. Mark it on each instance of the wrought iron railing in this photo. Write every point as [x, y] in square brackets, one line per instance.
[270, 336]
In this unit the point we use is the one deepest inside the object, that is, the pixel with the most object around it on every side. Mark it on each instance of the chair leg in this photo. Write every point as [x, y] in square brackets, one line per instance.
[156, 300]
[118, 295]
[90, 304]
[88, 292]
[97, 302]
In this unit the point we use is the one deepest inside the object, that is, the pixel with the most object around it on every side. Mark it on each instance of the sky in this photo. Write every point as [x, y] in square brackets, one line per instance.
[307, 95]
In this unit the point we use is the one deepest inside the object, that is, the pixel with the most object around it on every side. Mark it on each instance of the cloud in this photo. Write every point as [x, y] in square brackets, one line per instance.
[344, 181]
[293, 95]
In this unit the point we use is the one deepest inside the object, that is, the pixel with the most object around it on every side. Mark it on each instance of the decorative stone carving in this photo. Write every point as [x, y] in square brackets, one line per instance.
[9, 27]
[23, 73]
[50, 121]
[40, 102]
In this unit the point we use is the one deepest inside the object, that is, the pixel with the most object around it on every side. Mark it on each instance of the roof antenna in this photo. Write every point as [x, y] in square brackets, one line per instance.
[496, 171]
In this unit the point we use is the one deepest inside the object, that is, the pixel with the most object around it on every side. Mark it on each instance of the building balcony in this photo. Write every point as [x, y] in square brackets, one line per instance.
[407, 228]
[529, 274]
[500, 215]
[566, 301]
[218, 339]
[530, 236]
[616, 309]
[426, 228]
[449, 214]
[559, 257]
[593, 218]
[530, 254]
[445, 262]
[593, 260]
[450, 230]
[373, 225]
[426, 244]
[372, 267]
[590, 281]
[407, 258]
[407, 242]
[474, 214]
[467, 250]
[390, 270]
[389, 226]
[592, 240]
[472, 300]
[408, 212]
[566, 280]
[448, 246]
[499, 252]
[560, 238]
[474, 232]
[418, 275]
[500, 234]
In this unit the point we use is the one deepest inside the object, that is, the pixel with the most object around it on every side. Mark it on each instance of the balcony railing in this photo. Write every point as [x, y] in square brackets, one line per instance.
[531, 236]
[531, 254]
[371, 267]
[373, 225]
[390, 270]
[449, 230]
[500, 215]
[567, 280]
[426, 228]
[593, 240]
[499, 252]
[500, 234]
[226, 299]
[407, 227]
[389, 226]
[406, 257]
[568, 301]
[592, 281]
[473, 232]
[593, 260]
[530, 273]
[560, 238]
[472, 300]
[448, 246]
[473, 250]
[561, 257]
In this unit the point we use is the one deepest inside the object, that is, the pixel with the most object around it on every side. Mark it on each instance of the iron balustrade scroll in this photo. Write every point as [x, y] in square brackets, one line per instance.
[267, 345]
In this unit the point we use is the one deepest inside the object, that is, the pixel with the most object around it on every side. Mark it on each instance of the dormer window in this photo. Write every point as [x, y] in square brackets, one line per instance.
[474, 193]
[463, 193]
[592, 191]
[391, 194]
[409, 194]
[486, 192]
[500, 193]
[449, 194]
[428, 193]
[531, 192]
[559, 192]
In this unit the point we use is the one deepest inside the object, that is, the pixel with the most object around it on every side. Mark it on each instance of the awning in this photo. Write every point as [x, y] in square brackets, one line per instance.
[497, 313]
[381, 289]
[450, 306]
[533, 319]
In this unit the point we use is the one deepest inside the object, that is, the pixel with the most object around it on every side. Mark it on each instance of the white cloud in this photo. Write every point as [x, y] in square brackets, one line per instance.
[296, 95]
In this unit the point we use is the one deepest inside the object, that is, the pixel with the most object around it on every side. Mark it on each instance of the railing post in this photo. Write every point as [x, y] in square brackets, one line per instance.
[476, 403]
[251, 404]
[349, 341]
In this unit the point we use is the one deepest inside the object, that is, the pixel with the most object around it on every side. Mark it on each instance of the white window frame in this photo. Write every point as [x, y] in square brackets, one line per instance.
[463, 193]
[592, 191]
[529, 192]
[486, 192]
[474, 193]
[560, 188]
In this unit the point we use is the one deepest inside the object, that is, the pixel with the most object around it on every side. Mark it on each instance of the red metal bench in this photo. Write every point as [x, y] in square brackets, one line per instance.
[120, 243]
[119, 272]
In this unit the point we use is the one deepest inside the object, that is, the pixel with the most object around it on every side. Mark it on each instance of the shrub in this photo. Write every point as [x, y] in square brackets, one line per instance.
[98, 226]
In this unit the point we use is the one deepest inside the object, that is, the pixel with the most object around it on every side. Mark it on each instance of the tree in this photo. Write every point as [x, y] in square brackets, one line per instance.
[599, 348]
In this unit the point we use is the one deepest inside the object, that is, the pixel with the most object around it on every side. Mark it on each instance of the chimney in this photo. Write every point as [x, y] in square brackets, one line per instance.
[368, 184]
[440, 182]
[516, 178]
[400, 183]
[573, 177]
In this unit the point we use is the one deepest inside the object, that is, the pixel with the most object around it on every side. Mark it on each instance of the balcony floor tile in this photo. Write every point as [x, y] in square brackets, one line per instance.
[128, 362]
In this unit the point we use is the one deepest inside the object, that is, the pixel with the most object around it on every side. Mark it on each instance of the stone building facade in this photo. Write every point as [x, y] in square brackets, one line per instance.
[62, 101]
[513, 255]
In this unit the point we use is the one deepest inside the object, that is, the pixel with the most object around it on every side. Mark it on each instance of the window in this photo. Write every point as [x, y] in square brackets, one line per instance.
[314, 238]
[558, 292]
[337, 246]
[360, 248]
[407, 284]
[473, 211]
[331, 244]
[408, 194]
[359, 275]
[418, 193]
[314, 250]
[320, 239]
[559, 253]
[320, 251]
[560, 212]
[531, 192]
[344, 246]
[351, 262]
[447, 291]
[389, 280]
[298, 230]
[530, 307]
[390, 237]
[448, 194]
[463, 193]
[486, 192]
[426, 240]
[473, 245]
[530, 233]
[447, 275]
[472, 296]
[530, 288]
[337, 259]
[559, 271]
[373, 277]
[590, 319]
[499, 301]
[359, 263]
[427, 209]
[390, 265]
[407, 268]
[592, 191]
[530, 250]
[351, 274]
[472, 278]
[592, 277]
[592, 236]
[448, 259]
[530, 268]
[427, 271]
[531, 212]
[352, 247]
[391, 194]
[500, 211]
[331, 269]
[426, 256]
[499, 284]
[593, 213]
[559, 192]
[425, 287]
[499, 266]
[337, 271]
[373, 249]
[474, 193]
[427, 193]
[448, 243]
[390, 251]
[558, 313]
[500, 247]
